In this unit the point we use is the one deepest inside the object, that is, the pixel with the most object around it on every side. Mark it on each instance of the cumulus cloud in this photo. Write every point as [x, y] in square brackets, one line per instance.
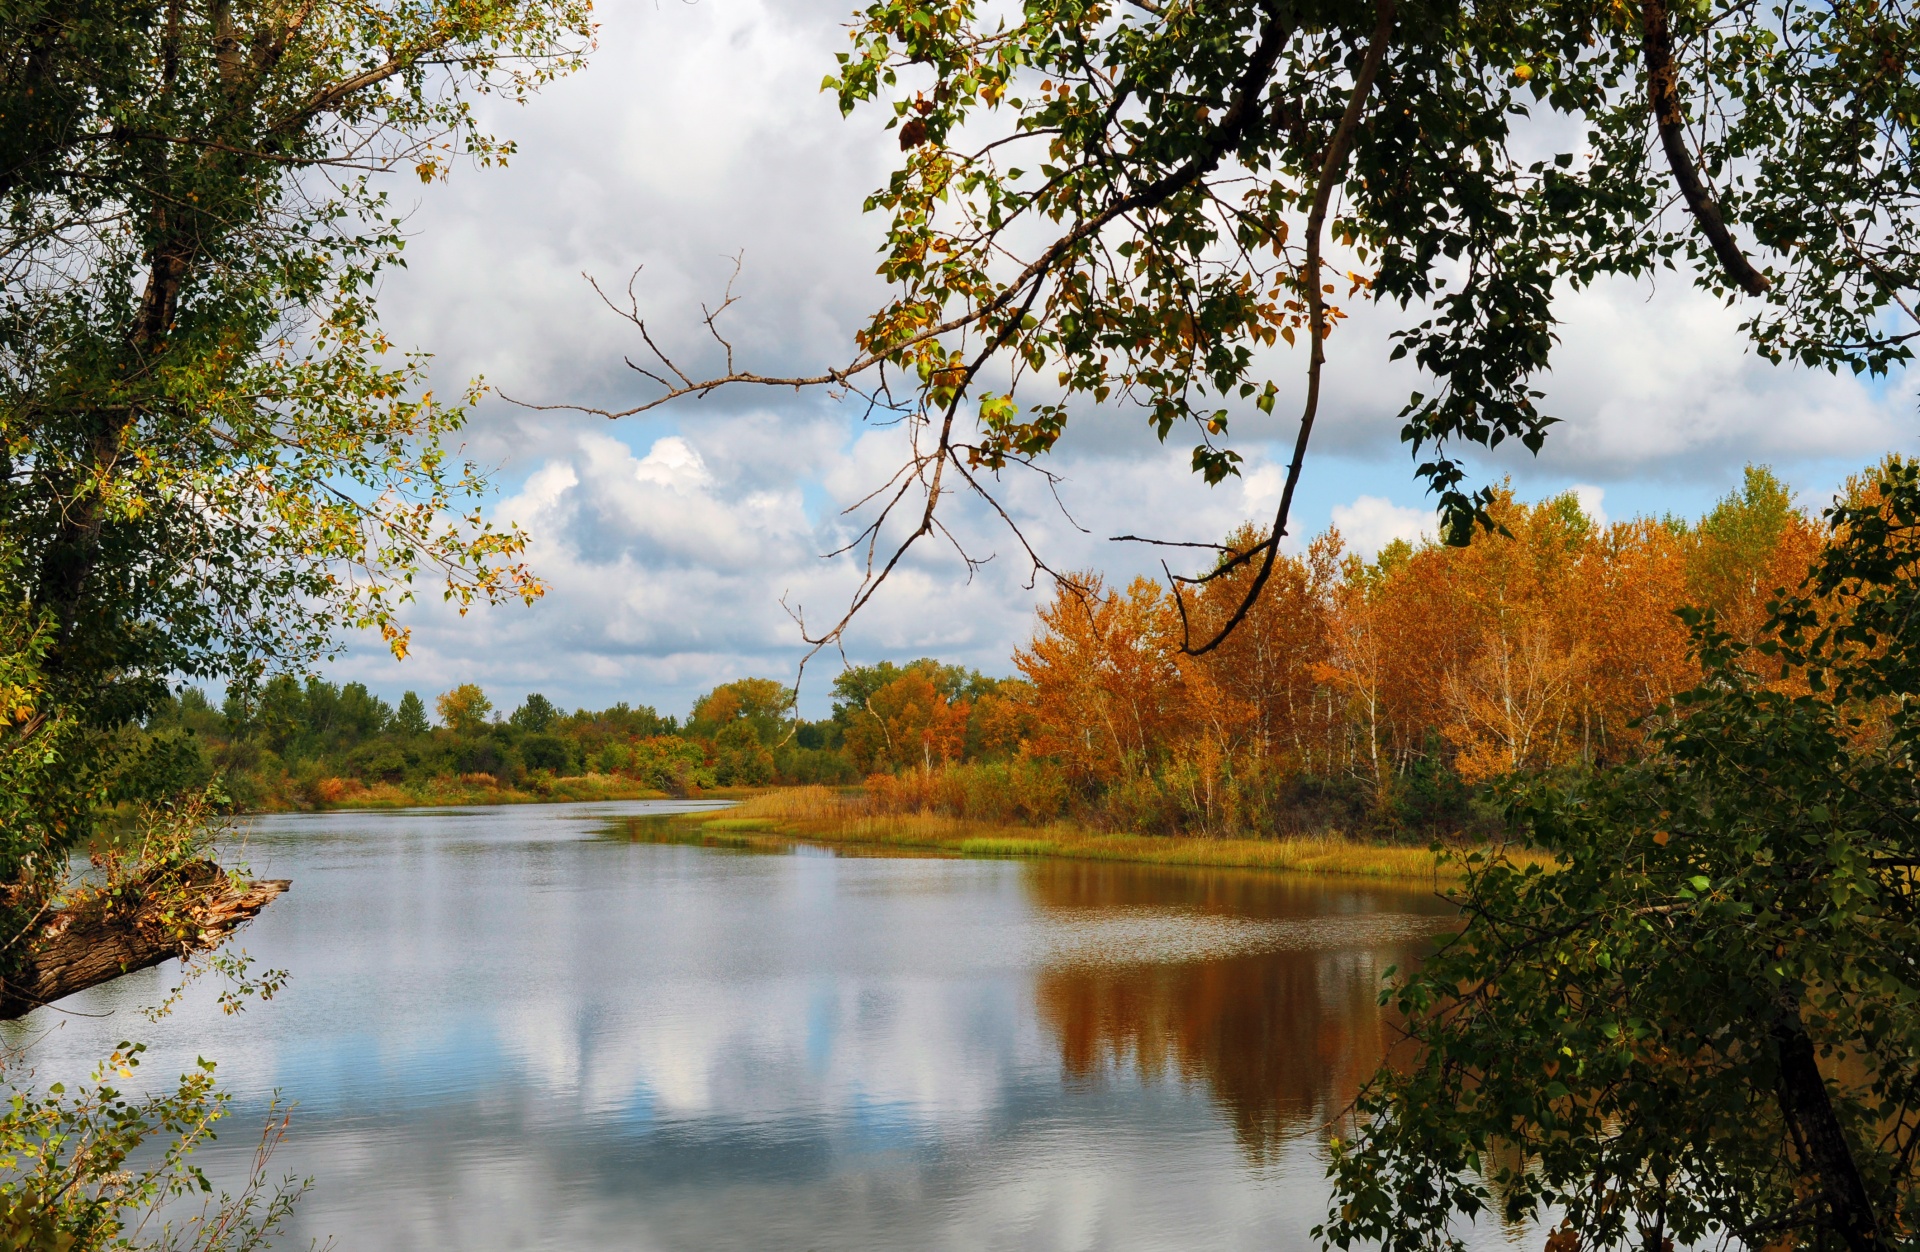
[1592, 501]
[1370, 523]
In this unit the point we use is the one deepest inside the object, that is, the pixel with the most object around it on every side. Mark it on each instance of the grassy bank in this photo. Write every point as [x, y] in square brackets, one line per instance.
[470, 789]
[820, 815]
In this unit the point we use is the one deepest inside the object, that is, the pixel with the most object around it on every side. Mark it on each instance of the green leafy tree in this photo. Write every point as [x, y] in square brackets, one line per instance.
[760, 703]
[1704, 1024]
[212, 461]
[741, 757]
[411, 717]
[550, 753]
[465, 709]
[535, 714]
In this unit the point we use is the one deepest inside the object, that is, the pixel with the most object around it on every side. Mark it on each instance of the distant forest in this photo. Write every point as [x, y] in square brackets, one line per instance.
[1378, 696]
[296, 744]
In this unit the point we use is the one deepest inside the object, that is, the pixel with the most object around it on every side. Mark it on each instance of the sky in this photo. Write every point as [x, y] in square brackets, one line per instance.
[680, 547]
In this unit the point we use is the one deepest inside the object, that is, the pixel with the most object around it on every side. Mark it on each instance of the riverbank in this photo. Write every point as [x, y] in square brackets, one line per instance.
[465, 791]
[820, 815]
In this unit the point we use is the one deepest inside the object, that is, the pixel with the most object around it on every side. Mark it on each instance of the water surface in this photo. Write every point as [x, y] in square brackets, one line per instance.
[536, 1028]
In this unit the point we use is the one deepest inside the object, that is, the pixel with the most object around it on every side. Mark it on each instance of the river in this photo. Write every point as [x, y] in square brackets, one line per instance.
[542, 1028]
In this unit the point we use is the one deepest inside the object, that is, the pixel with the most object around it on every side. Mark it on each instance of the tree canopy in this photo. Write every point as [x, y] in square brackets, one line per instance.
[211, 458]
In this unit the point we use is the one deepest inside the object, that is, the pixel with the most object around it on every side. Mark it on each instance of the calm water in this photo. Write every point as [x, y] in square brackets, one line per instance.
[525, 1028]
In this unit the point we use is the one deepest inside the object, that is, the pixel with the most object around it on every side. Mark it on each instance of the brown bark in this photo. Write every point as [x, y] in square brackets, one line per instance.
[1663, 95]
[1818, 1136]
[173, 912]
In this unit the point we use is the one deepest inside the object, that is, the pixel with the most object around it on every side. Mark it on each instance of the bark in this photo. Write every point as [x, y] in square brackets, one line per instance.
[1663, 95]
[172, 912]
[1818, 1135]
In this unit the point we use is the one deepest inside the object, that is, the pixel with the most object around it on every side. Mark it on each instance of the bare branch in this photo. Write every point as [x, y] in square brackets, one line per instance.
[1316, 333]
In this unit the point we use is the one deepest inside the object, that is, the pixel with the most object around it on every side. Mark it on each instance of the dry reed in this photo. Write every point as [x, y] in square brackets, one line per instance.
[821, 815]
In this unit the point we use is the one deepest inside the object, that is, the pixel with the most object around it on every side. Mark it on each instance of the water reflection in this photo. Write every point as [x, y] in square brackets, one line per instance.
[507, 1031]
[1282, 1036]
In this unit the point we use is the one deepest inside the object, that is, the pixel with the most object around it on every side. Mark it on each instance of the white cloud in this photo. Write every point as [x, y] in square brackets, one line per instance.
[1370, 523]
[1592, 501]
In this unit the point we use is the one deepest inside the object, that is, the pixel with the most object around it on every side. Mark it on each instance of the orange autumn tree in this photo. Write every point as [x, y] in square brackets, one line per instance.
[908, 721]
[1512, 696]
[1372, 692]
[1253, 713]
[1104, 680]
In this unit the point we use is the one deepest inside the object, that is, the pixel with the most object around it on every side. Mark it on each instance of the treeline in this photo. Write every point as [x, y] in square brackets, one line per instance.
[298, 743]
[1376, 696]
[1372, 696]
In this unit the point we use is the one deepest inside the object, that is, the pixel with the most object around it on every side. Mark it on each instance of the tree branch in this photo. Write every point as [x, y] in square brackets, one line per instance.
[1336, 158]
[1663, 96]
[174, 911]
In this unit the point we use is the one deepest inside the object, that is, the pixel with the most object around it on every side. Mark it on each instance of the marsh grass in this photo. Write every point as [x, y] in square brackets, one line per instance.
[1005, 847]
[473, 789]
[823, 815]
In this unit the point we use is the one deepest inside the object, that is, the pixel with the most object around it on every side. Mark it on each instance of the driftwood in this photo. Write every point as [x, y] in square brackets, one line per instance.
[176, 910]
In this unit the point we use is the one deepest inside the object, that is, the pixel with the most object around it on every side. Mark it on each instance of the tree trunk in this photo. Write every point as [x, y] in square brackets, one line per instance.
[174, 911]
[1822, 1141]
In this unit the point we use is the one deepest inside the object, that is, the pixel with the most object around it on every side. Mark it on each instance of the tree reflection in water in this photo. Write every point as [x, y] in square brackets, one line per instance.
[1281, 1022]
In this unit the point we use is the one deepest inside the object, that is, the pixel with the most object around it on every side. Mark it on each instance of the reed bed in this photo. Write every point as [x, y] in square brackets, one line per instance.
[470, 789]
[822, 815]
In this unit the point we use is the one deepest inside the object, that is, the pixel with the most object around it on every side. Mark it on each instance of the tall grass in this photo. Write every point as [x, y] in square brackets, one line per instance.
[818, 814]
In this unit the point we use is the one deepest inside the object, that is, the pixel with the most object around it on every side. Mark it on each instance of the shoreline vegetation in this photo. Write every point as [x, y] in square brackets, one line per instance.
[848, 818]
[1381, 702]
[822, 815]
[466, 791]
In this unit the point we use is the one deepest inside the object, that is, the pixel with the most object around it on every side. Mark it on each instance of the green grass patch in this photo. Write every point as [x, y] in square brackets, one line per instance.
[1007, 847]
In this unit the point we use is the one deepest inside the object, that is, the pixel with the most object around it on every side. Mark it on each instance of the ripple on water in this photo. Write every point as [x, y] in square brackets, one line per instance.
[1149, 936]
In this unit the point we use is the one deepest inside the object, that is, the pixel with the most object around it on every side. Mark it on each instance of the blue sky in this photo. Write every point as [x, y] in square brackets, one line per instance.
[698, 133]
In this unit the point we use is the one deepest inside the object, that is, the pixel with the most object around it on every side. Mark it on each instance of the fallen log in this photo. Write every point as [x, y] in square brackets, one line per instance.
[172, 911]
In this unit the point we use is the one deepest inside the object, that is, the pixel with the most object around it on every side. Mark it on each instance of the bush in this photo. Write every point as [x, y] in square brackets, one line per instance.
[1023, 789]
[672, 764]
[812, 766]
[483, 755]
[740, 759]
[547, 752]
[380, 761]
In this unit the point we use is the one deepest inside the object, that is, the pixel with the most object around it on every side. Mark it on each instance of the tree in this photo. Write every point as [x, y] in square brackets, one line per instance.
[411, 717]
[535, 714]
[211, 460]
[464, 710]
[1104, 685]
[1133, 202]
[1702, 1024]
[908, 722]
[761, 703]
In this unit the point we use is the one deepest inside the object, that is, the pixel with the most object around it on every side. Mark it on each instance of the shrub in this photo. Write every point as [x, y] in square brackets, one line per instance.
[547, 752]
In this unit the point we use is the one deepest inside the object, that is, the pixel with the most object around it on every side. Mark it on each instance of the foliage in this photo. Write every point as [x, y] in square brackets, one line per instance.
[211, 460]
[1371, 697]
[1701, 1025]
[78, 1174]
[290, 744]
[100, 1168]
[464, 710]
[535, 714]
[411, 717]
[1379, 695]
